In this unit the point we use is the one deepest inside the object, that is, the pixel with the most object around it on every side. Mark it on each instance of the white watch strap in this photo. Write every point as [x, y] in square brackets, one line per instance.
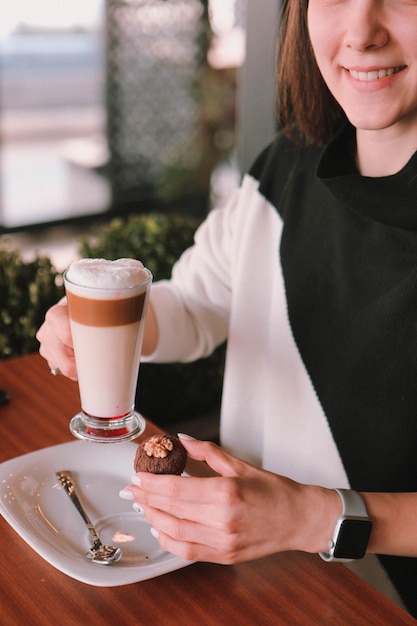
[353, 504]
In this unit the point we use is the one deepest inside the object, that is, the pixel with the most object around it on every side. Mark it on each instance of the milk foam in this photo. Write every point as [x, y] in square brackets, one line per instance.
[104, 274]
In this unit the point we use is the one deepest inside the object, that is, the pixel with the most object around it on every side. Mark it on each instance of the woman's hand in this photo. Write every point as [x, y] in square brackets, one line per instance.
[56, 344]
[56, 341]
[242, 514]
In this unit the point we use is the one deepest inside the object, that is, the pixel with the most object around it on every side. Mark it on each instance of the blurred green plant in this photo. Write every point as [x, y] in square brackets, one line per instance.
[166, 391]
[156, 239]
[27, 291]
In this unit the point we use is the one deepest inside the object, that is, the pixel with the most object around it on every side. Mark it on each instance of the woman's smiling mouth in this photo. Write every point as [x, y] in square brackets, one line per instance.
[375, 74]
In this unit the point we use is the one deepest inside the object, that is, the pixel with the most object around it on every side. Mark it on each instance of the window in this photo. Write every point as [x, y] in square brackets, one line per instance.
[52, 113]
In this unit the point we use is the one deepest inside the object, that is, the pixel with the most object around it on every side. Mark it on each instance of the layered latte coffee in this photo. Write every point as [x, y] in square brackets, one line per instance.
[107, 303]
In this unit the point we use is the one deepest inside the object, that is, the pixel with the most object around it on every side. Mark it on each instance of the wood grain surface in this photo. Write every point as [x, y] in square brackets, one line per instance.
[284, 589]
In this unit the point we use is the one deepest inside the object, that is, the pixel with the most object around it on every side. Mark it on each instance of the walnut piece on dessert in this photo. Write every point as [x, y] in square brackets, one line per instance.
[158, 446]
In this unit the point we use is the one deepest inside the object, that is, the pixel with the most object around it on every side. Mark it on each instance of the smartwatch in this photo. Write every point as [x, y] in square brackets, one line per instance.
[352, 530]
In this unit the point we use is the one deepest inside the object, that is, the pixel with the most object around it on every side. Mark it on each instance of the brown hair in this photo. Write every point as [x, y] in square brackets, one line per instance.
[305, 107]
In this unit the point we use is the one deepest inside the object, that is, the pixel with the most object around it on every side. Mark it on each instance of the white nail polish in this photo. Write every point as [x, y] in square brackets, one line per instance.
[137, 507]
[136, 480]
[126, 494]
[186, 437]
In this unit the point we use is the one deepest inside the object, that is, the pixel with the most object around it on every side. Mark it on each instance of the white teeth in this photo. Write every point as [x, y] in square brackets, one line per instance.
[374, 75]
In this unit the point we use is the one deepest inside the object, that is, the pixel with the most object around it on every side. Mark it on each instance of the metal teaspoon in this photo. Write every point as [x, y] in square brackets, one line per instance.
[98, 553]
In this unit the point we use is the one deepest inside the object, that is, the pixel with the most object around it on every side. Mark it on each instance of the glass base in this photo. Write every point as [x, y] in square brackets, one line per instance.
[88, 428]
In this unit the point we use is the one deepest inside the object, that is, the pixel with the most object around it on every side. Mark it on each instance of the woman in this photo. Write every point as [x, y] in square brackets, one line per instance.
[310, 272]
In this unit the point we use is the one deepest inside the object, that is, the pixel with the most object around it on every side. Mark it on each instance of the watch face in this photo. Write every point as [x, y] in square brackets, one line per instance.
[352, 539]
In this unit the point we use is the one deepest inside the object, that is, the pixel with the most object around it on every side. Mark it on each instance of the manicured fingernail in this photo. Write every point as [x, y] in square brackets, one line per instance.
[126, 494]
[154, 532]
[136, 480]
[186, 437]
[137, 507]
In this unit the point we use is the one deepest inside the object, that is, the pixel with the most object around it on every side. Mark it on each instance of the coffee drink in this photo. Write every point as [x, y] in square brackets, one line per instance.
[107, 302]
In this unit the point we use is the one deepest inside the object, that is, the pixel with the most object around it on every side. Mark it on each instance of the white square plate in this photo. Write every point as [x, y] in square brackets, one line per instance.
[40, 511]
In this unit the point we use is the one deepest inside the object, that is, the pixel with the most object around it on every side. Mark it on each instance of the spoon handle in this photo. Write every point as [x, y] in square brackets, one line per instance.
[65, 478]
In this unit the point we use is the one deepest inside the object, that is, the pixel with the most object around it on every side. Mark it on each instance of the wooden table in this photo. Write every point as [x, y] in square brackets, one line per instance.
[288, 589]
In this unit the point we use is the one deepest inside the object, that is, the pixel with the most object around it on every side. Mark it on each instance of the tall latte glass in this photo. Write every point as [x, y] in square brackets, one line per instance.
[107, 303]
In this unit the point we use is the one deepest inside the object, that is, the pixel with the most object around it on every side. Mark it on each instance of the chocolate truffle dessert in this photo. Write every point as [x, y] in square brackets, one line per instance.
[161, 454]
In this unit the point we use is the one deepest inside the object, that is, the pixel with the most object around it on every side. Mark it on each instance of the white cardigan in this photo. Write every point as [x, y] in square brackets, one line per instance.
[229, 284]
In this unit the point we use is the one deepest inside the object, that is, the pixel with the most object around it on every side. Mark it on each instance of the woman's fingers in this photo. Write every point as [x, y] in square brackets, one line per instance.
[55, 341]
[192, 541]
[194, 499]
[218, 459]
